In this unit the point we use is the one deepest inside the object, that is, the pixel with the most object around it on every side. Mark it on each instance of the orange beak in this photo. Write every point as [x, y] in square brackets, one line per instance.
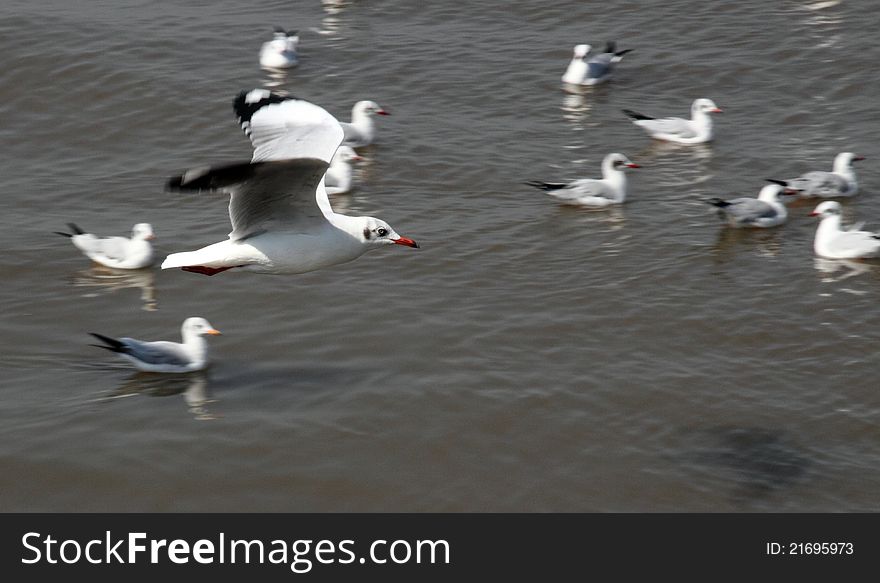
[213, 332]
[716, 110]
[407, 242]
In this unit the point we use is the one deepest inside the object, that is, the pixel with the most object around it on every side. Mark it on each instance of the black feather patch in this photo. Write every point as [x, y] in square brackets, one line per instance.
[623, 52]
[779, 182]
[245, 107]
[718, 202]
[112, 344]
[212, 177]
[62, 234]
[636, 115]
[546, 186]
[76, 230]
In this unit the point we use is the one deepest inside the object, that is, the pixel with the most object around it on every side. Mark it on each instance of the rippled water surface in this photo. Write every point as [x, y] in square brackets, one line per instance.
[531, 356]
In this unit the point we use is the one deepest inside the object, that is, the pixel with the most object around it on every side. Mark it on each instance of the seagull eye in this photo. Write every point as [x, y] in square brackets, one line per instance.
[381, 231]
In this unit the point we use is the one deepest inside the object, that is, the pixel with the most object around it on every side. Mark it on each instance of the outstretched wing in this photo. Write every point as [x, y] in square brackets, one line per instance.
[282, 127]
[282, 187]
[280, 194]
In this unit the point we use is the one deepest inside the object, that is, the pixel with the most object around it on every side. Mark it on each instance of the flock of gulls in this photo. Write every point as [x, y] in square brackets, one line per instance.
[282, 221]
[832, 241]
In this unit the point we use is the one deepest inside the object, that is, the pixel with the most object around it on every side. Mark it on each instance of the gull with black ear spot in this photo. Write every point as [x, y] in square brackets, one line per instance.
[282, 221]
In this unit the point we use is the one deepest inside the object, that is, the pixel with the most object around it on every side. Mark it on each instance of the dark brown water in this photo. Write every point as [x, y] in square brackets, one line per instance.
[530, 357]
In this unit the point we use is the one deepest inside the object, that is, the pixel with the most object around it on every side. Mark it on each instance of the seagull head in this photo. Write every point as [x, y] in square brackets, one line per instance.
[195, 326]
[378, 232]
[345, 154]
[843, 161]
[143, 231]
[771, 192]
[704, 105]
[369, 108]
[829, 208]
[620, 162]
[580, 51]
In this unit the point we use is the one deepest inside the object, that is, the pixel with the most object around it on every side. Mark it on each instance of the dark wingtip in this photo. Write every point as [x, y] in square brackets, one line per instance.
[112, 344]
[62, 234]
[623, 52]
[536, 184]
[610, 46]
[635, 115]
[779, 182]
[720, 203]
[174, 184]
[76, 230]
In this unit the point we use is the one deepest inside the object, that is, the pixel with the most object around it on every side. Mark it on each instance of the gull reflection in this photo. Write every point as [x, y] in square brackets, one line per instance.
[109, 280]
[275, 78]
[849, 268]
[677, 165]
[333, 23]
[576, 109]
[193, 387]
[766, 242]
[335, 6]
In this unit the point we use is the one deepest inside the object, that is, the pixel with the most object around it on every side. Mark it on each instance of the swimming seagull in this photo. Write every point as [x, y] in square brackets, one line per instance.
[841, 181]
[609, 190]
[595, 70]
[280, 52]
[696, 130]
[281, 217]
[834, 243]
[765, 211]
[338, 177]
[162, 356]
[116, 252]
[362, 129]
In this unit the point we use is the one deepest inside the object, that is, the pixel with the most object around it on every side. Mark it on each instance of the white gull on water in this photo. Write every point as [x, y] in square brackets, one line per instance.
[841, 181]
[163, 356]
[117, 252]
[696, 130]
[597, 69]
[339, 175]
[280, 52]
[609, 190]
[765, 211]
[832, 242]
[361, 131]
[281, 217]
